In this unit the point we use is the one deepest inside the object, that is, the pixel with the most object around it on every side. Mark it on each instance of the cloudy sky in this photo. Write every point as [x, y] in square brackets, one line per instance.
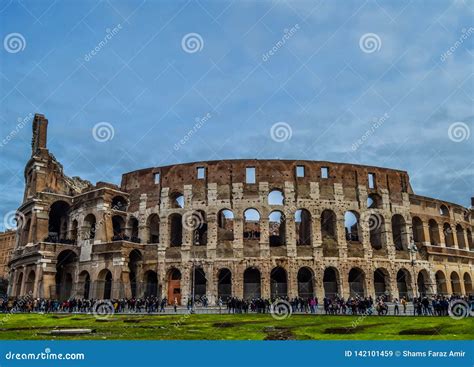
[132, 84]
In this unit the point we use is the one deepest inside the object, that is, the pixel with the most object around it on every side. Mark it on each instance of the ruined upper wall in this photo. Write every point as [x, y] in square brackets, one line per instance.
[225, 173]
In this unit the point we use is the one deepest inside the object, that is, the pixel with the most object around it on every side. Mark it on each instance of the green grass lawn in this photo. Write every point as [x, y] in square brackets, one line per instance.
[237, 327]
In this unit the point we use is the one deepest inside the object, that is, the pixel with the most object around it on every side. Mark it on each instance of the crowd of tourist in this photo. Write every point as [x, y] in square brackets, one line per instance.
[437, 305]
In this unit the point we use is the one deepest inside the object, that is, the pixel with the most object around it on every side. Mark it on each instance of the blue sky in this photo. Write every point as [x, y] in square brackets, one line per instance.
[361, 82]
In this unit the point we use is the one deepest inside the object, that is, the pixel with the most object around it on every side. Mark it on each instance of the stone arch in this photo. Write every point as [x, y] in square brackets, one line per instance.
[376, 231]
[277, 228]
[133, 229]
[151, 283]
[357, 283]
[417, 228]
[176, 200]
[200, 282]
[174, 286]
[74, 231]
[404, 283]
[252, 283]
[455, 283]
[104, 284]
[199, 225]
[398, 233]
[443, 210]
[305, 279]
[225, 225]
[66, 264]
[441, 286]
[276, 197]
[153, 225]
[224, 284]
[331, 282]
[135, 262]
[118, 227]
[90, 224]
[448, 235]
[176, 230]
[434, 232]
[251, 224]
[467, 283]
[58, 221]
[329, 233]
[84, 285]
[374, 201]
[469, 239]
[352, 225]
[119, 203]
[303, 227]
[30, 283]
[460, 237]
[382, 282]
[424, 283]
[278, 282]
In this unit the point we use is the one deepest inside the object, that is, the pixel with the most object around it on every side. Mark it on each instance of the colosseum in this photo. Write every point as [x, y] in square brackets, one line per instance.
[243, 228]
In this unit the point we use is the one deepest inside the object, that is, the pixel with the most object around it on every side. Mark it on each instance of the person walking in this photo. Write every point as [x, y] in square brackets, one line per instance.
[396, 309]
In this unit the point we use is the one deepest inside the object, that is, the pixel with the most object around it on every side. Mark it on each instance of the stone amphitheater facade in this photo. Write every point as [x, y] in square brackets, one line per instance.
[243, 228]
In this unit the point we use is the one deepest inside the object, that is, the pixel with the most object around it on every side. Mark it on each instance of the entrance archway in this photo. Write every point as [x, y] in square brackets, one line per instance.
[200, 283]
[467, 284]
[331, 282]
[305, 283]
[151, 283]
[404, 284]
[104, 288]
[441, 287]
[65, 267]
[224, 286]
[381, 282]
[174, 286]
[423, 281]
[278, 282]
[455, 283]
[357, 282]
[84, 284]
[252, 283]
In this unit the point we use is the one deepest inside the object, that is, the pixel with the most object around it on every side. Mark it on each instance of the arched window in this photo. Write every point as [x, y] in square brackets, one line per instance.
[133, 230]
[154, 228]
[176, 230]
[417, 228]
[198, 222]
[460, 237]
[351, 224]
[275, 197]
[58, 222]
[118, 225]
[434, 232]
[303, 227]
[225, 224]
[376, 228]
[135, 261]
[176, 200]
[328, 225]
[119, 203]
[374, 201]
[251, 224]
[399, 233]
[444, 211]
[469, 239]
[277, 230]
[90, 227]
[448, 235]
[74, 231]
